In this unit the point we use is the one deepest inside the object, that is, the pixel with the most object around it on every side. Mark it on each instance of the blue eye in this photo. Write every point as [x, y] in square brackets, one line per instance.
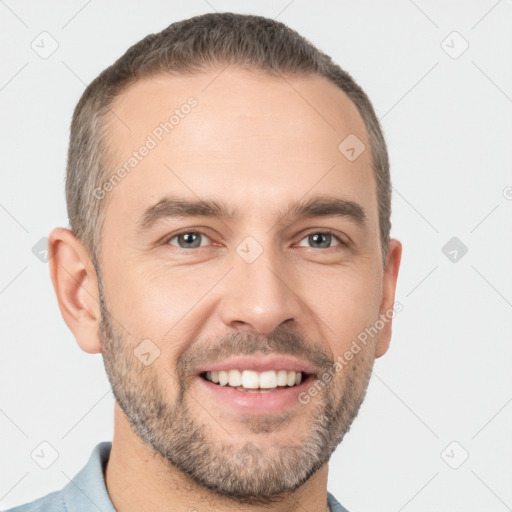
[189, 239]
[323, 239]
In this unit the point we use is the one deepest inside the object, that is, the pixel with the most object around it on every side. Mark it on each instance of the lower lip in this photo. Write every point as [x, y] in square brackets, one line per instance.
[255, 403]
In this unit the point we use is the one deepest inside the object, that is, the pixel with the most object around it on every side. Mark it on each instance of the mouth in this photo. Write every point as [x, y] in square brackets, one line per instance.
[255, 386]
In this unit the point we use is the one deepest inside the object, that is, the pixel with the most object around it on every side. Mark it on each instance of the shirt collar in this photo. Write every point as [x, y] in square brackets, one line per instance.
[87, 489]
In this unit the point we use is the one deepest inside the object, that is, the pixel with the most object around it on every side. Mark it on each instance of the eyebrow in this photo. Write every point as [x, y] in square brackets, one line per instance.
[320, 206]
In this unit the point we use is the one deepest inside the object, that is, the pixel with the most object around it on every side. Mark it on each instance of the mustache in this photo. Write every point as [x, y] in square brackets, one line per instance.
[240, 343]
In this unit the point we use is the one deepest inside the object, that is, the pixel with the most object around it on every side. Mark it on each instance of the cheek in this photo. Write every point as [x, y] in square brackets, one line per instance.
[347, 303]
[161, 304]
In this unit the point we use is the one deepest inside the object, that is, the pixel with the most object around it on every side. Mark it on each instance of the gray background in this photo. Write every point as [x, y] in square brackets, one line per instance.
[447, 119]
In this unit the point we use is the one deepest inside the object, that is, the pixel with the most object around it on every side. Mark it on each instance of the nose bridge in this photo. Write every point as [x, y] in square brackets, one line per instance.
[257, 295]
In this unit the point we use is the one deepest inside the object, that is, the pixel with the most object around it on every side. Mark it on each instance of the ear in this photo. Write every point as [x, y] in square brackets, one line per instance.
[75, 282]
[388, 294]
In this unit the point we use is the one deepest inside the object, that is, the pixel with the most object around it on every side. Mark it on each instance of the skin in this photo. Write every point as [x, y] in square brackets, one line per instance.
[258, 144]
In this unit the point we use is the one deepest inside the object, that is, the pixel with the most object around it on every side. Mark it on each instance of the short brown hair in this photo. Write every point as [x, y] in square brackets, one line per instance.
[191, 46]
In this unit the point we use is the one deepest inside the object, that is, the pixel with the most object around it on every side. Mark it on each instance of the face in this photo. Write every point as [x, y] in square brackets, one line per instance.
[264, 283]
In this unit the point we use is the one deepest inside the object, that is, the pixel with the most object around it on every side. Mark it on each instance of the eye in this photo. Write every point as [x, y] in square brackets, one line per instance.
[323, 239]
[188, 239]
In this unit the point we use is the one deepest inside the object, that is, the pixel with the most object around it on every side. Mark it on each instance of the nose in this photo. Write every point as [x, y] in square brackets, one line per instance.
[260, 296]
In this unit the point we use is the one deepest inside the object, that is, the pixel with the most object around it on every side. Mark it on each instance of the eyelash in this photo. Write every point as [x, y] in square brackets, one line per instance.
[331, 232]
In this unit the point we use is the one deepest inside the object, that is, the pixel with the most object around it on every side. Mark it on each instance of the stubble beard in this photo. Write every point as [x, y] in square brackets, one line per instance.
[250, 473]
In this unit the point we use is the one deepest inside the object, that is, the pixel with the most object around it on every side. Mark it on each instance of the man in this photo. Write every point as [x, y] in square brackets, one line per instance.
[229, 197]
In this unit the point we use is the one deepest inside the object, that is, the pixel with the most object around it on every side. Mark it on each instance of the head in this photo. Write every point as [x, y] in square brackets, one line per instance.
[215, 213]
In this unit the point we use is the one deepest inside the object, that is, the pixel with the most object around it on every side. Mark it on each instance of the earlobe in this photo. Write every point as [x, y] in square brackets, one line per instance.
[388, 295]
[75, 282]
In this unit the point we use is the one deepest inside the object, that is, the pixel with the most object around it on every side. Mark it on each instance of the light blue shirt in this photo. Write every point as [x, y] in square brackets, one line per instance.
[87, 492]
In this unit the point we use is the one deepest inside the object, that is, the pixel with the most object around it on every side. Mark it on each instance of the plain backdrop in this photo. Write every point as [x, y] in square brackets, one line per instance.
[434, 431]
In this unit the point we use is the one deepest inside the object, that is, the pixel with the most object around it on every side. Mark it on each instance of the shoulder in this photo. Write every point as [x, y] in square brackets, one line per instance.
[334, 504]
[52, 502]
[85, 491]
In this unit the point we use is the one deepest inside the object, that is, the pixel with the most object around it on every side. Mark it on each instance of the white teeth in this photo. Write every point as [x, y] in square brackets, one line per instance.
[223, 378]
[250, 379]
[235, 378]
[282, 377]
[268, 379]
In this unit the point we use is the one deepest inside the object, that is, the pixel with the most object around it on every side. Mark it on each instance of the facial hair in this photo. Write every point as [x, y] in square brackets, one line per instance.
[249, 473]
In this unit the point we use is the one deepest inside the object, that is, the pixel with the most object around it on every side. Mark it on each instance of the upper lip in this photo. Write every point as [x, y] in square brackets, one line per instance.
[259, 364]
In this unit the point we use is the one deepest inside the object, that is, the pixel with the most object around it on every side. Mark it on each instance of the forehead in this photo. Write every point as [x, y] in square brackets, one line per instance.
[237, 135]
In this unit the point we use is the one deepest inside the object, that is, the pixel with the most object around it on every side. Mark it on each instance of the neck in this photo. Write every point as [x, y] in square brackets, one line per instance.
[139, 480]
